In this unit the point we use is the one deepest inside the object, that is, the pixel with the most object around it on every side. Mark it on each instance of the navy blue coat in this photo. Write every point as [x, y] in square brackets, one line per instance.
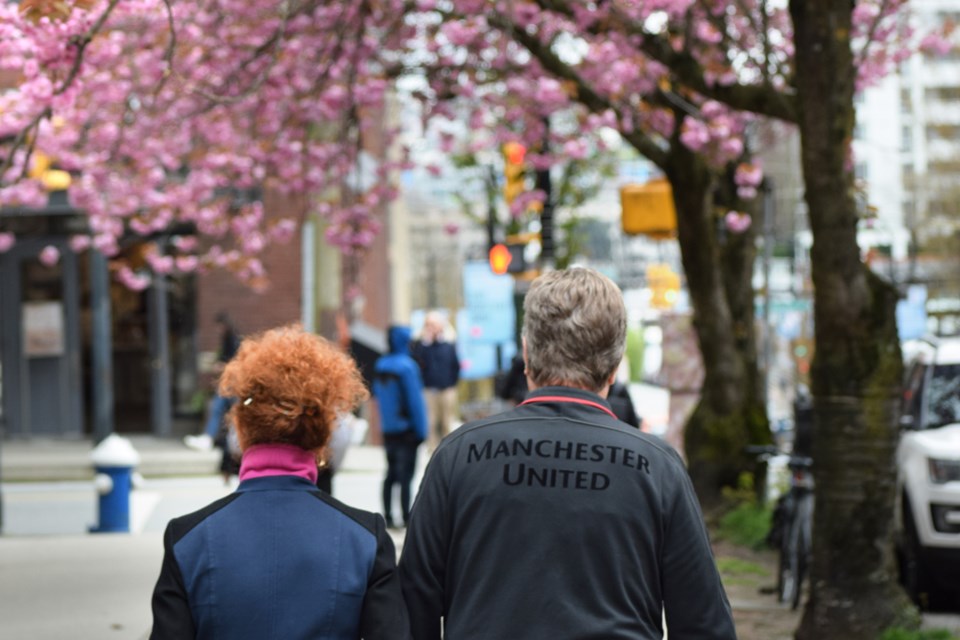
[439, 364]
[278, 559]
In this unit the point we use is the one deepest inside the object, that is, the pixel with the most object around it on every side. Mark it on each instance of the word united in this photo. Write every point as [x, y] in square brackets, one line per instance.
[526, 474]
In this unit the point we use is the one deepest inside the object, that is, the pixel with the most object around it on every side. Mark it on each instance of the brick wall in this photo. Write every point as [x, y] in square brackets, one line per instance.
[251, 311]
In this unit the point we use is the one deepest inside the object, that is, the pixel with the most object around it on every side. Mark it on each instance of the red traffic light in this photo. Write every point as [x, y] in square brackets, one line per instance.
[514, 152]
[500, 258]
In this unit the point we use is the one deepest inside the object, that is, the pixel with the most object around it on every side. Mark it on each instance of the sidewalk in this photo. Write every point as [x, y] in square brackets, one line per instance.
[50, 460]
[58, 581]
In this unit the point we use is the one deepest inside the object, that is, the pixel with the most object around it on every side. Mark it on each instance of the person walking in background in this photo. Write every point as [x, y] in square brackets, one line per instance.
[440, 368]
[398, 391]
[555, 519]
[219, 405]
[622, 404]
[278, 558]
[511, 385]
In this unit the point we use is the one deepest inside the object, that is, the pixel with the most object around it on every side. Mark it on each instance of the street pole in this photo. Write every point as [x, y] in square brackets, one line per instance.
[491, 183]
[768, 228]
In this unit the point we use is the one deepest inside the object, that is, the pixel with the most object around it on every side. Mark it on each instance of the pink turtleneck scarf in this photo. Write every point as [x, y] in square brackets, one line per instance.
[262, 460]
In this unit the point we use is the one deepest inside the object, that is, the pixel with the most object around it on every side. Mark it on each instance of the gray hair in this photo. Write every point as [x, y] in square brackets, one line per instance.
[575, 328]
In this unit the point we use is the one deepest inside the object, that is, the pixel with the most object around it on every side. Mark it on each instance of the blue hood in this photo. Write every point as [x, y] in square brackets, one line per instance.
[399, 339]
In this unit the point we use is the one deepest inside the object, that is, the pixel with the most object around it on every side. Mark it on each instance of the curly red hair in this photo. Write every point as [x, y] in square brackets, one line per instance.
[290, 386]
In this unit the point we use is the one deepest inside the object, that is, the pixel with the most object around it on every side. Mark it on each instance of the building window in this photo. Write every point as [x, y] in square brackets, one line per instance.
[906, 102]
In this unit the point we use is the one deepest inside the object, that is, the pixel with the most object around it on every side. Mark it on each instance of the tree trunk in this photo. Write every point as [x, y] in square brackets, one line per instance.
[857, 363]
[730, 413]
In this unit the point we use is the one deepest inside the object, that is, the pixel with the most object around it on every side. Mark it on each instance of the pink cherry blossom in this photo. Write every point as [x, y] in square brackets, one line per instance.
[192, 127]
[737, 222]
[49, 256]
[80, 243]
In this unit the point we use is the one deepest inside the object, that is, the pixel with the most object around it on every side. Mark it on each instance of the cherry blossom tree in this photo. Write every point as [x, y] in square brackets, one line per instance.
[177, 113]
[679, 80]
[180, 114]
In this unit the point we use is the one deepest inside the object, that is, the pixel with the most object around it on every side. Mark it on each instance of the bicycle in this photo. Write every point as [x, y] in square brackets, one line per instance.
[792, 528]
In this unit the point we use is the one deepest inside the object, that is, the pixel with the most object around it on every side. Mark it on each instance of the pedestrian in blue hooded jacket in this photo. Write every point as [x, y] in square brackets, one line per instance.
[398, 390]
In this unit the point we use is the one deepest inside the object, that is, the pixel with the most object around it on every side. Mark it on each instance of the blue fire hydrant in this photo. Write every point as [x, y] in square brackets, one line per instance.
[114, 460]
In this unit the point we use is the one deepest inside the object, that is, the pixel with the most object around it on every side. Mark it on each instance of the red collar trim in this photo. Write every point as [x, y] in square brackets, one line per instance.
[573, 400]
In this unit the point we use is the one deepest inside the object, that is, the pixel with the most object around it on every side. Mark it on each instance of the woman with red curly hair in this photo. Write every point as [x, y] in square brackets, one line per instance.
[278, 558]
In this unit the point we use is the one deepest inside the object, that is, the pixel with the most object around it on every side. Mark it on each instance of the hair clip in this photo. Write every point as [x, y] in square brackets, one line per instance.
[247, 402]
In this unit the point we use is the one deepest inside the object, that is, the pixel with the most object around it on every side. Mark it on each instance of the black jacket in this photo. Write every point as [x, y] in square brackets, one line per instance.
[556, 520]
[438, 362]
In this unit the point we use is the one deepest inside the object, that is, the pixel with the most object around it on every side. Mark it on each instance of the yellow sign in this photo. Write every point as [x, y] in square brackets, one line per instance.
[648, 209]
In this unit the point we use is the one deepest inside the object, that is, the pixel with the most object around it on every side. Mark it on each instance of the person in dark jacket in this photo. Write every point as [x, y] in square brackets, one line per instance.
[511, 385]
[555, 519]
[279, 559]
[622, 404]
[440, 368]
[398, 390]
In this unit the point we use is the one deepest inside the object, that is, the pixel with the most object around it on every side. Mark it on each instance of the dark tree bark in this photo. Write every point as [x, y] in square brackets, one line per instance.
[857, 365]
[718, 269]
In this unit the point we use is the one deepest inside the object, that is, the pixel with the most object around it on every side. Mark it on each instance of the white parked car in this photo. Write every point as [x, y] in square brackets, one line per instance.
[928, 474]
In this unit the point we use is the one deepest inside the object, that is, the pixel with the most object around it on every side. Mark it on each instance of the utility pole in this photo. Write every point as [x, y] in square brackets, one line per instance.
[491, 184]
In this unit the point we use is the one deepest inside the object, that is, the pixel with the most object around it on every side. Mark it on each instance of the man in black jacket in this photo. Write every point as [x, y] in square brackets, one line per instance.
[555, 519]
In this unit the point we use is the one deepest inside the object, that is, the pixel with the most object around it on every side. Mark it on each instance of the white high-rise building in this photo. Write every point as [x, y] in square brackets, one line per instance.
[907, 141]
[930, 100]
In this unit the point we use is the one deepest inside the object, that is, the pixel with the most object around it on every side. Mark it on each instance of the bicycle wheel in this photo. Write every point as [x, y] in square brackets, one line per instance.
[787, 580]
[800, 569]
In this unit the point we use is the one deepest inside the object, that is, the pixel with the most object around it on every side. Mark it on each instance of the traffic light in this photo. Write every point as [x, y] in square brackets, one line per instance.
[664, 286]
[648, 209]
[802, 351]
[508, 258]
[513, 171]
[500, 259]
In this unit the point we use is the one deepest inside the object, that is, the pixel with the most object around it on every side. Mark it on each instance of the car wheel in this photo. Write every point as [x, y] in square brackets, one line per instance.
[912, 572]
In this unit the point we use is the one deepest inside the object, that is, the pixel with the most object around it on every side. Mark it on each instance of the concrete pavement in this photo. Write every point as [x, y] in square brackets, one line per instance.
[58, 581]
[84, 587]
[40, 459]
